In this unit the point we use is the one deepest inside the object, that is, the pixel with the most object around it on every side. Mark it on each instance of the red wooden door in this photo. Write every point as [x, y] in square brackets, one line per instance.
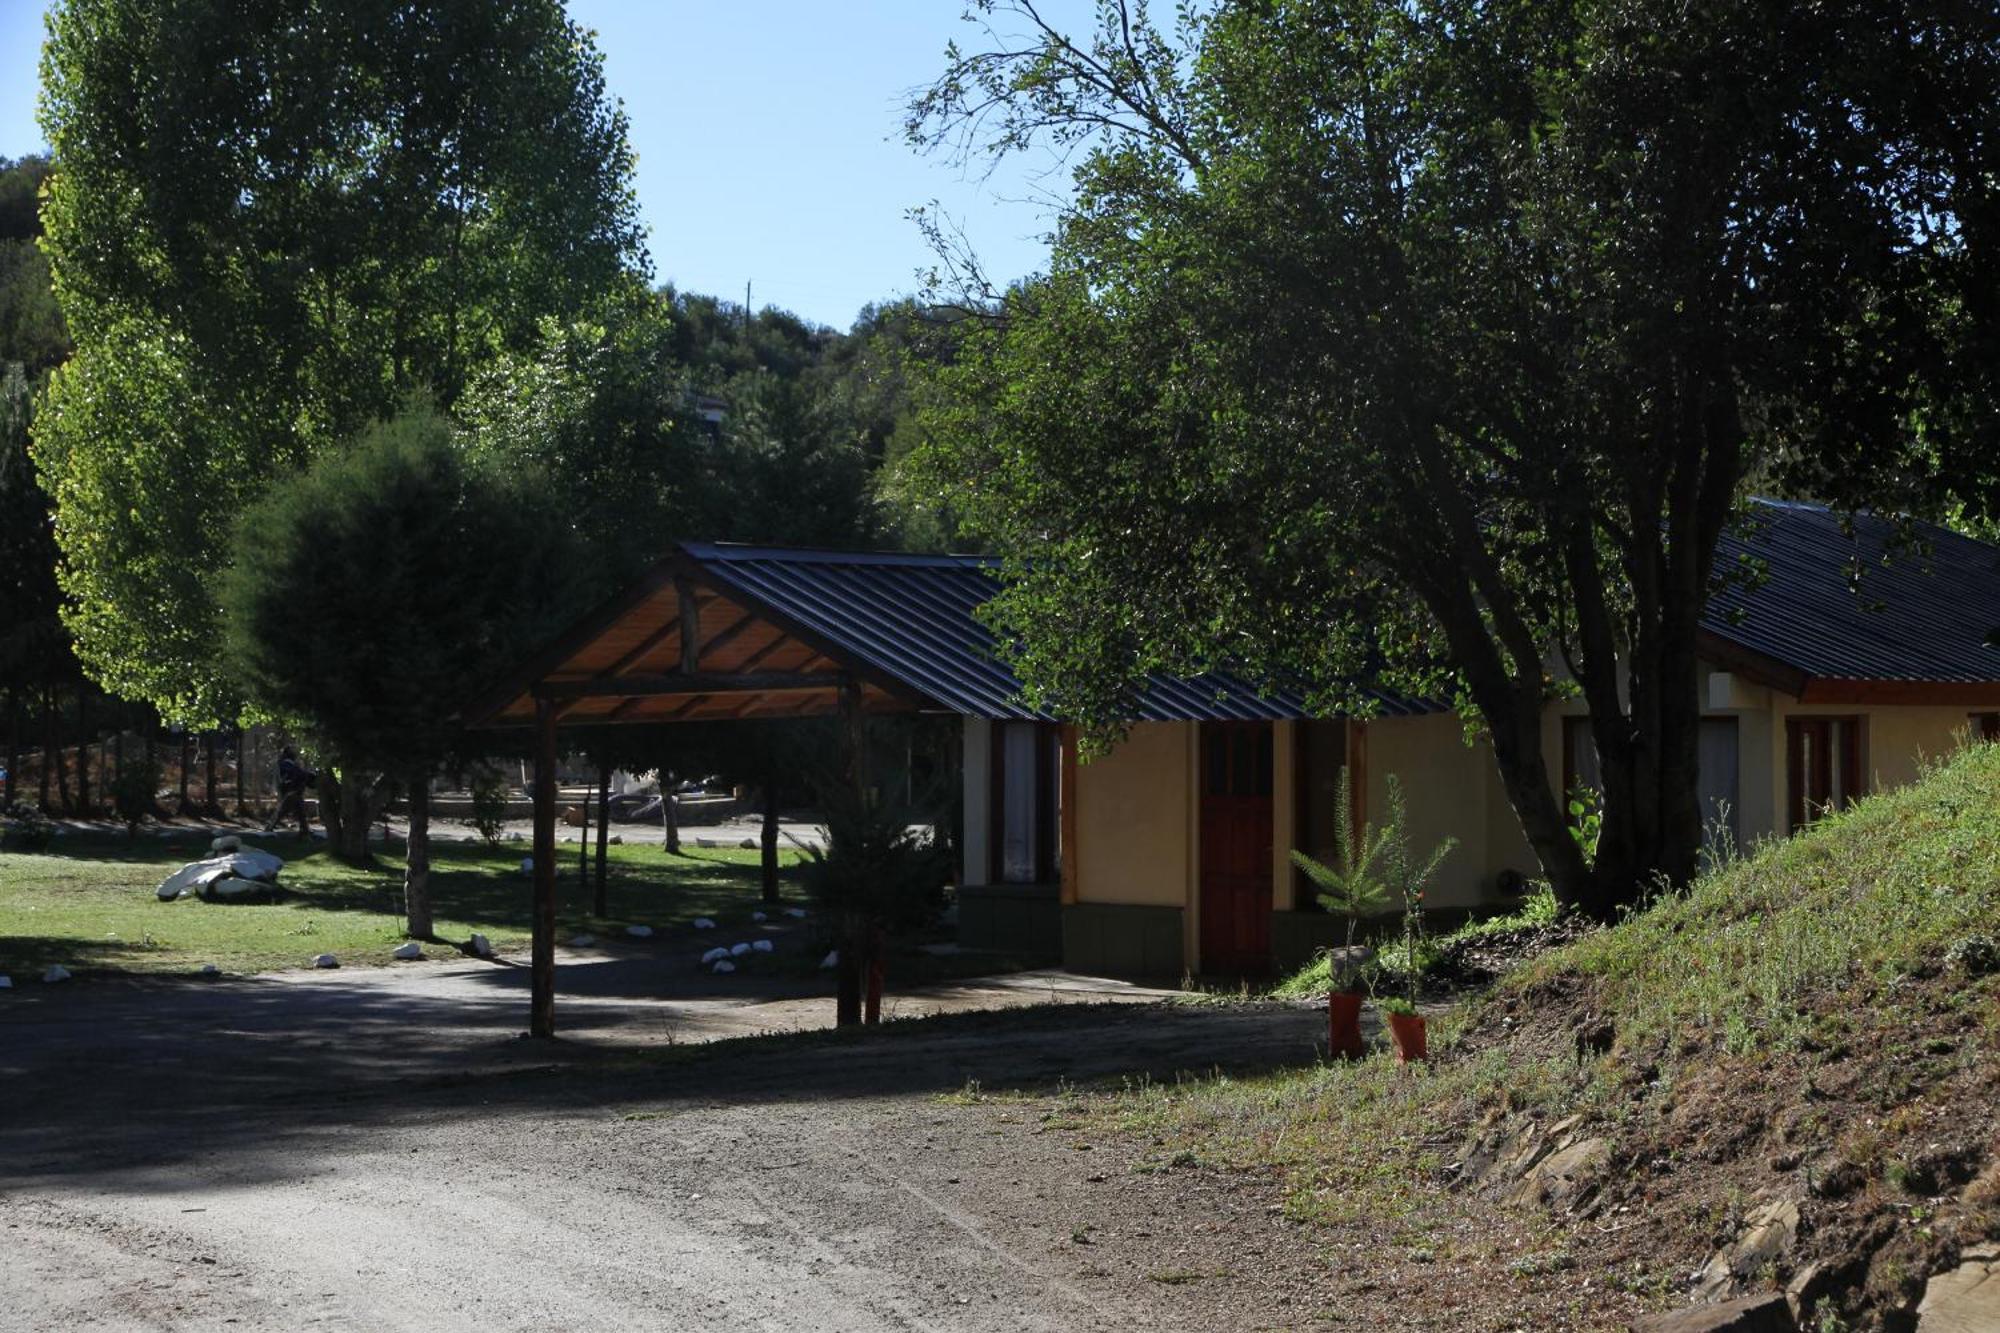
[1236, 847]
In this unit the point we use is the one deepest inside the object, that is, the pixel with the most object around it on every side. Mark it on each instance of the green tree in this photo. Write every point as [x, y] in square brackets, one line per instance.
[370, 590]
[346, 205]
[1438, 342]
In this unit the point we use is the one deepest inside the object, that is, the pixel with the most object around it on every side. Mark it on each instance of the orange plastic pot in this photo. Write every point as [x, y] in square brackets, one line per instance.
[1343, 1026]
[1407, 1032]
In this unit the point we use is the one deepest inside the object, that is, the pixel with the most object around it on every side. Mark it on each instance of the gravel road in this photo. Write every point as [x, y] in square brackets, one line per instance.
[380, 1151]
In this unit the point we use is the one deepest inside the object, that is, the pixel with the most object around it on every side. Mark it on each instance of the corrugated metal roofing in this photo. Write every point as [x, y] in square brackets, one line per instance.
[1924, 615]
[913, 617]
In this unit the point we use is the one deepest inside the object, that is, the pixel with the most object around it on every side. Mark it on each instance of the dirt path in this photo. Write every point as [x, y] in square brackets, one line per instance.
[348, 1155]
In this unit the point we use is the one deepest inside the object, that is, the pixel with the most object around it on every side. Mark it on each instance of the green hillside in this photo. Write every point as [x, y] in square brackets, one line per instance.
[1787, 1077]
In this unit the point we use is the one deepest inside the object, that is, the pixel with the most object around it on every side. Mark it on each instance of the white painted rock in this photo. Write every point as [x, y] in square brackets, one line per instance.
[228, 842]
[235, 886]
[409, 951]
[832, 960]
[796, 913]
[617, 840]
[527, 867]
[723, 966]
[256, 863]
[639, 932]
[759, 916]
[481, 947]
[703, 923]
[56, 972]
[715, 955]
[210, 970]
[738, 950]
[582, 941]
[761, 946]
[192, 878]
[6, 982]
[326, 960]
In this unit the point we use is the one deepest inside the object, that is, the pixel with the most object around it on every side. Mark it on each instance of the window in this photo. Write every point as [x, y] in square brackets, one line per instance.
[1319, 753]
[1822, 766]
[1986, 726]
[1023, 816]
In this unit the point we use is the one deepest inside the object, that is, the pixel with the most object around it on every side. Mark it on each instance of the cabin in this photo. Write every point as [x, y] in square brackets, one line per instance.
[1863, 648]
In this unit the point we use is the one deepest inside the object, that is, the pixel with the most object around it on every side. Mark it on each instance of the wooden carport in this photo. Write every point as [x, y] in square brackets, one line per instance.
[679, 645]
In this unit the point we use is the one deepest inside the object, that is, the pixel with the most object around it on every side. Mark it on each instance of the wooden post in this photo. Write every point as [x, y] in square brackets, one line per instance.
[601, 904]
[542, 1009]
[769, 834]
[690, 631]
[583, 845]
[847, 993]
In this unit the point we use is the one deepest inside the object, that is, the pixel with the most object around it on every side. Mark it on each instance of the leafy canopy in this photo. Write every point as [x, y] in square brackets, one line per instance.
[373, 592]
[348, 205]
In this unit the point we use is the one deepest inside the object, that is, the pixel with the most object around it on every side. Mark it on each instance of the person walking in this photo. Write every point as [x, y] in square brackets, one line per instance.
[293, 779]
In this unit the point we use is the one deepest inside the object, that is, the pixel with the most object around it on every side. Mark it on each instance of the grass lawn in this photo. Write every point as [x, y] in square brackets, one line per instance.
[88, 903]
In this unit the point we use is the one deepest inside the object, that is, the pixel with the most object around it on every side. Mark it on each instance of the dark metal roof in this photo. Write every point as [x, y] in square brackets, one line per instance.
[1921, 615]
[912, 617]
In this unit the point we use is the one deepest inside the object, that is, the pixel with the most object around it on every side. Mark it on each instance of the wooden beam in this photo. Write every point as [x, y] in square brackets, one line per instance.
[1748, 663]
[690, 610]
[1967, 694]
[728, 634]
[645, 646]
[626, 687]
[542, 958]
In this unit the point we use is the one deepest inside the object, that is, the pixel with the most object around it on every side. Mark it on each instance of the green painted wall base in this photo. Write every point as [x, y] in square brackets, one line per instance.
[1117, 940]
[1023, 920]
[1297, 936]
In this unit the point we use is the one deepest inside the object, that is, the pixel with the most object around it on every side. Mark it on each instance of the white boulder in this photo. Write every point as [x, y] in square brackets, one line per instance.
[831, 961]
[761, 946]
[210, 970]
[326, 960]
[717, 954]
[703, 923]
[759, 916]
[56, 972]
[527, 867]
[408, 952]
[724, 965]
[228, 842]
[796, 913]
[480, 947]
[193, 878]
[738, 950]
[6, 982]
[639, 932]
[583, 941]
[256, 863]
[235, 886]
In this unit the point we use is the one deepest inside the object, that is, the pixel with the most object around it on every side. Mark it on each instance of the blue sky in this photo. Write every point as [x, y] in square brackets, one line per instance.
[769, 143]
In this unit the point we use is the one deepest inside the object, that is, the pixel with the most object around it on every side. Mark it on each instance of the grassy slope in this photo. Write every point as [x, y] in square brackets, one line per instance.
[1793, 1025]
[89, 903]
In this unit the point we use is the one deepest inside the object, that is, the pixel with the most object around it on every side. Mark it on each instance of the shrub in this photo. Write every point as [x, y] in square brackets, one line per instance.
[134, 791]
[876, 866]
[489, 804]
[28, 829]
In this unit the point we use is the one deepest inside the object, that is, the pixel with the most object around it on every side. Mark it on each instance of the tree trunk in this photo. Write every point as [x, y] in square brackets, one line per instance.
[669, 814]
[601, 903]
[583, 845]
[55, 750]
[83, 750]
[239, 772]
[13, 744]
[331, 814]
[47, 775]
[769, 837]
[187, 766]
[210, 803]
[417, 869]
[359, 804]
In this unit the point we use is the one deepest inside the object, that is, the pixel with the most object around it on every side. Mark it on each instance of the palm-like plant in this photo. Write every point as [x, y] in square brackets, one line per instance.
[1354, 885]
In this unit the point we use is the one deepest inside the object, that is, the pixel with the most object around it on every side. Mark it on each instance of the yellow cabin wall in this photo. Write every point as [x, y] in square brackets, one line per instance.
[1133, 826]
